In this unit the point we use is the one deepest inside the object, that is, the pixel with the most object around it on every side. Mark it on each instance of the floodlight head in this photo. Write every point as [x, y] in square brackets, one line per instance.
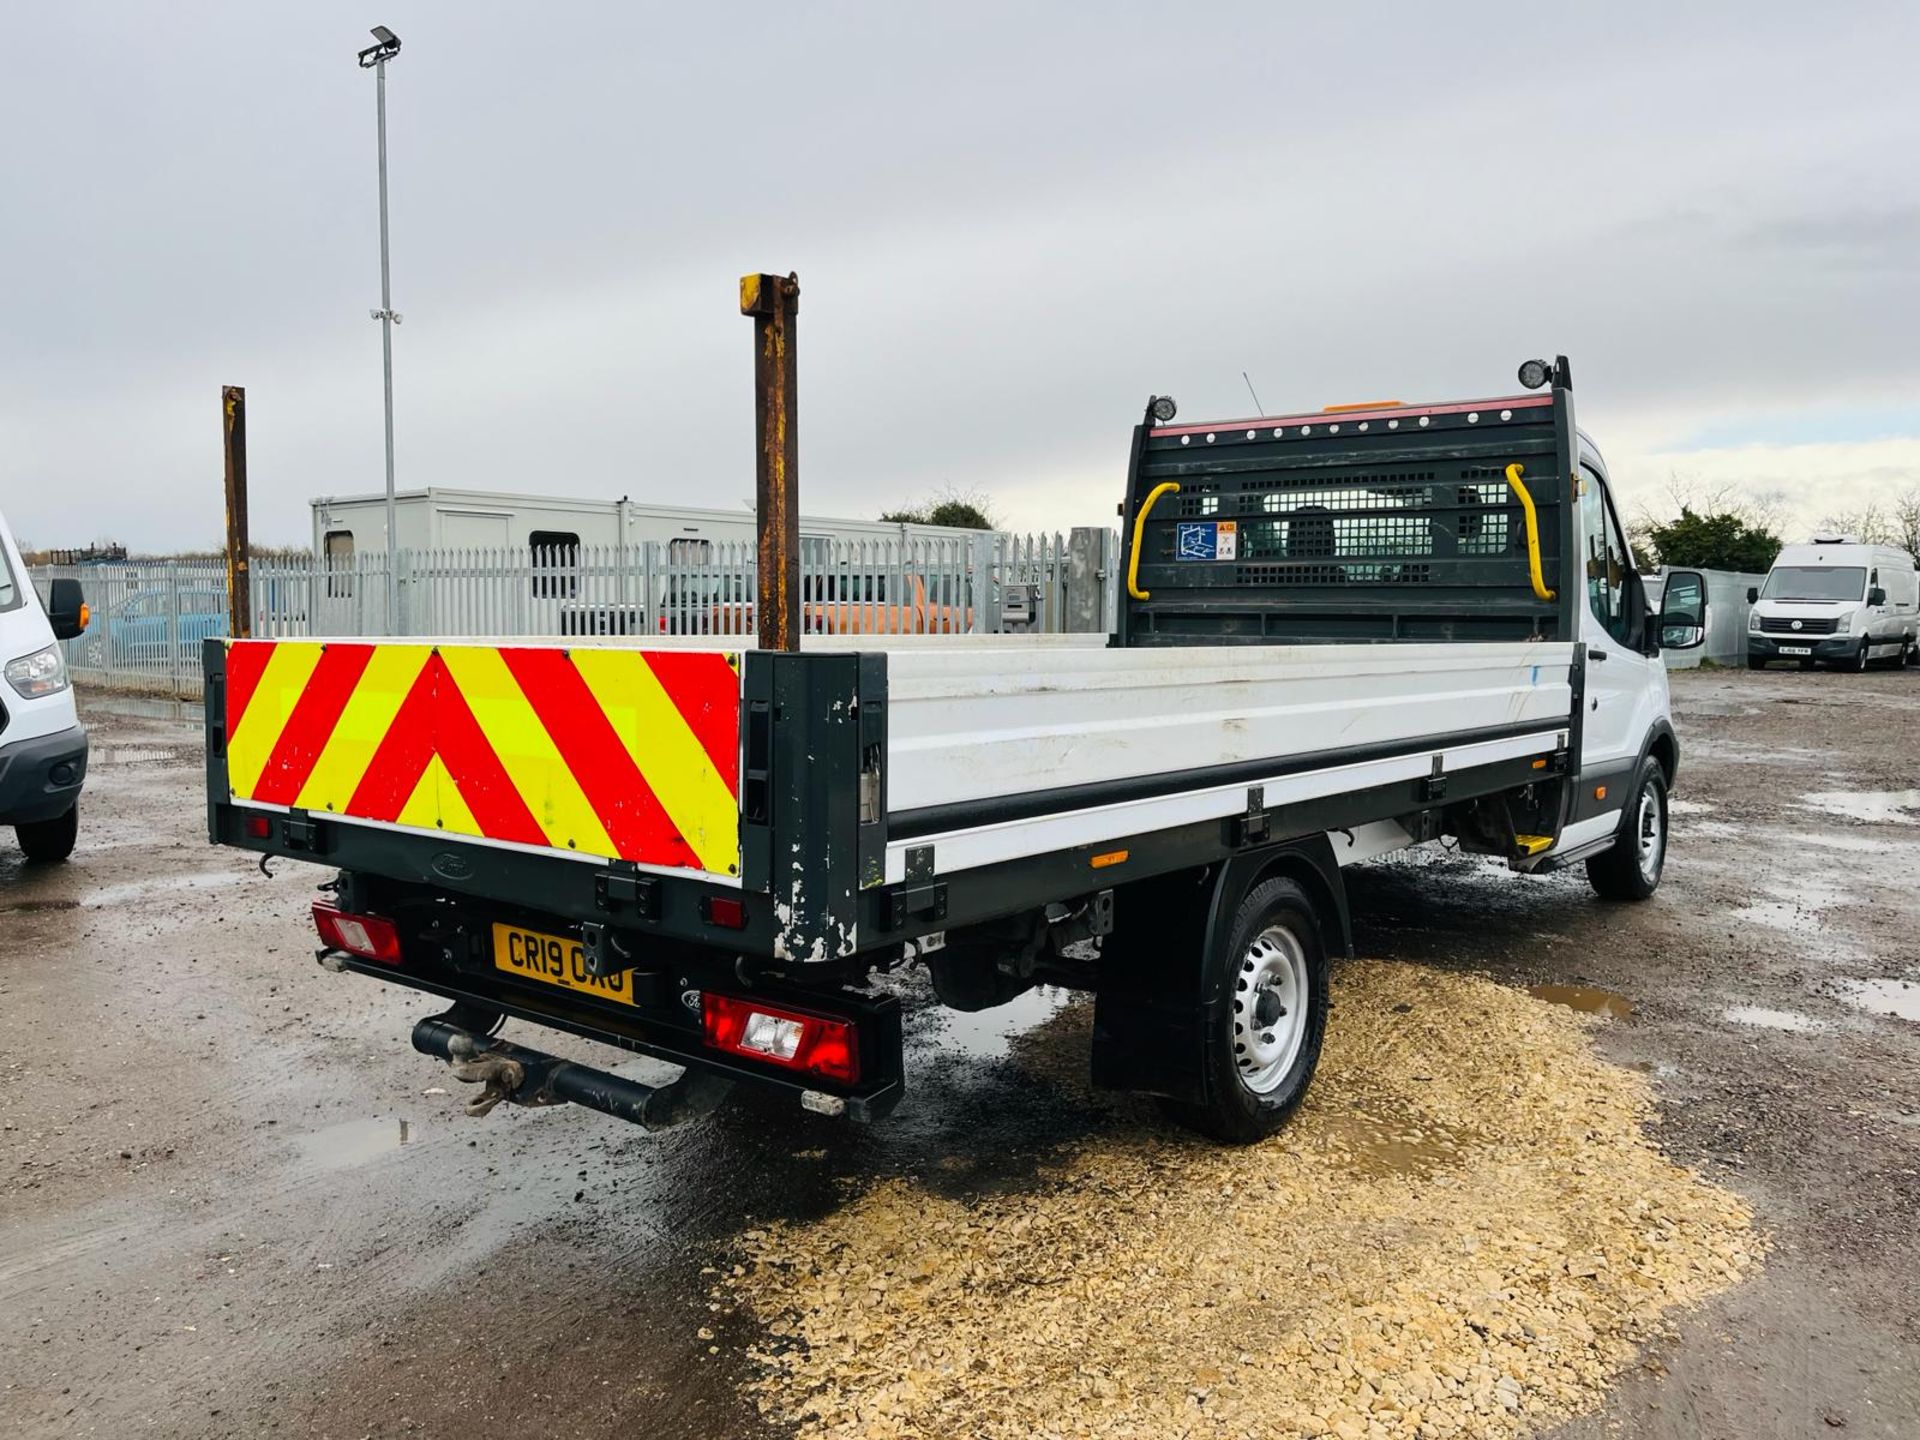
[387, 47]
[1163, 408]
[1534, 373]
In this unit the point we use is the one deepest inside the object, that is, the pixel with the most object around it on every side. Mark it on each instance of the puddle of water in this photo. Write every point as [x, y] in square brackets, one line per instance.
[1897, 998]
[1384, 1147]
[1711, 830]
[140, 889]
[1587, 999]
[1855, 844]
[1873, 807]
[987, 1034]
[353, 1142]
[1773, 1019]
[1784, 915]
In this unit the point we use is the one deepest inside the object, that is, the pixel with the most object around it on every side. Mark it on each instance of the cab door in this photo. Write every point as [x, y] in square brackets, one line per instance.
[1626, 689]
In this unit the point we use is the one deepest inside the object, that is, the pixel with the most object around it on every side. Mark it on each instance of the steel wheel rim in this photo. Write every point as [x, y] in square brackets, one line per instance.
[1651, 833]
[1269, 1009]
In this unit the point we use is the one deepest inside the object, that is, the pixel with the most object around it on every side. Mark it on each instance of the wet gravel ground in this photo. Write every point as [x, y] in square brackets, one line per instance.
[234, 1202]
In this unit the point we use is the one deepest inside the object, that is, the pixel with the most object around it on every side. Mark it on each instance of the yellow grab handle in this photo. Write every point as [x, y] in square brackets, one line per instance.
[1139, 524]
[1540, 589]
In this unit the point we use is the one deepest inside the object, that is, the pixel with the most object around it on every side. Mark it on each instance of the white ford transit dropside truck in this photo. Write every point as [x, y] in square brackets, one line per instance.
[1341, 633]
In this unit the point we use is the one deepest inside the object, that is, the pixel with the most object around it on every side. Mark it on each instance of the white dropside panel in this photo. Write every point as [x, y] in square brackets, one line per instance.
[967, 849]
[968, 724]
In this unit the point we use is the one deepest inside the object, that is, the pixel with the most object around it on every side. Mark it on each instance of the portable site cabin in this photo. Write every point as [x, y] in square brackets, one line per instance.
[443, 519]
[477, 561]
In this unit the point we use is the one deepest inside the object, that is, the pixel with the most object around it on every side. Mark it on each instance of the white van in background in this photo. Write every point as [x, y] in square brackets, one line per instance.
[43, 745]
[1836, 601]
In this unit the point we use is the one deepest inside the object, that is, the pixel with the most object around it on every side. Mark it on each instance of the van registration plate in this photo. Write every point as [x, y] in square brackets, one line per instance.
[555, 960]
[1796, 650]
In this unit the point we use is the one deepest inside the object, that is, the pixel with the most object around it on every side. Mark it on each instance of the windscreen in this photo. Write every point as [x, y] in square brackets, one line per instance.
[1815, 582]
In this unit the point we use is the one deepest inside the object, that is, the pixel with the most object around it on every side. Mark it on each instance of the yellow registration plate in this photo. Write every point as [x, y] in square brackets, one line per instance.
[555, 960]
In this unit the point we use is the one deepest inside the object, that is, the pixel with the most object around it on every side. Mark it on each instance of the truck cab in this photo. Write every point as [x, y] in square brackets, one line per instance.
[1837, 602]
[43, 745]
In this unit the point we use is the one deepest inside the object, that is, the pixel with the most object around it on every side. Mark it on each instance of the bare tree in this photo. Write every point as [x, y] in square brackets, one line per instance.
[1766, 511]
[1906, 520]
[1870, 525]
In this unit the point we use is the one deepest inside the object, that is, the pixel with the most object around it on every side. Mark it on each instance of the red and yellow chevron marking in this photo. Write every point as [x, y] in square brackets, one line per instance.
[627, 754]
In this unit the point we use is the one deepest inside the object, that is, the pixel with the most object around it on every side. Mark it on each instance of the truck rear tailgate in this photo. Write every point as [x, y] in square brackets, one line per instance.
[602, 753]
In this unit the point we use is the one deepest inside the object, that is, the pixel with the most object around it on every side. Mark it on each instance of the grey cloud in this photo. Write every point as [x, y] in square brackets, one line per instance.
[1011, 224]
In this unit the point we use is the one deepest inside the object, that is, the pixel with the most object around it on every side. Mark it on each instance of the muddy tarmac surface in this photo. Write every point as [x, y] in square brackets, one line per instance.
[233, 1201]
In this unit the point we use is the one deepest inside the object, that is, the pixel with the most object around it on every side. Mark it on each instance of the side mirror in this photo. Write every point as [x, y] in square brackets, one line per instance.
[1682, 621]
[1753, 594]
[66, 609]
[1677, 632]
[1876, 596]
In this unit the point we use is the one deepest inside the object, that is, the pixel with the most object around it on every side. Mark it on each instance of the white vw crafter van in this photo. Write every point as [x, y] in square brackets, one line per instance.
[1836, 601]
[43, 746]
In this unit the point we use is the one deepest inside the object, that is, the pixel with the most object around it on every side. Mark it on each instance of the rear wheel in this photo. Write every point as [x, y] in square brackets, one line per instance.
[50, 840]
[1631, 870]
[1263, 1042]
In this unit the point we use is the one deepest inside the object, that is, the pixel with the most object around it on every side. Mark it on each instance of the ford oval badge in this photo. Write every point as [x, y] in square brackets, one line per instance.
[451, 865]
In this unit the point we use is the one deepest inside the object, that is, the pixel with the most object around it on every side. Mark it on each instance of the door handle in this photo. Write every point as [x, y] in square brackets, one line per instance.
[1596, 654]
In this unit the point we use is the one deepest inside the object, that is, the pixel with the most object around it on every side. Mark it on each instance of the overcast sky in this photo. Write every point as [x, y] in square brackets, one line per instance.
[1011, 223]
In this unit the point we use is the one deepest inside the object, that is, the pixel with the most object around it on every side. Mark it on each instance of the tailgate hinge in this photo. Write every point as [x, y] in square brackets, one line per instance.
[627, 892]
[921, 902]
[299, 831]
[1256, 826]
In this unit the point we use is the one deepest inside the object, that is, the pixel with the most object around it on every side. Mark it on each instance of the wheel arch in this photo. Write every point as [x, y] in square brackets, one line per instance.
[1310, 862]
[1664, 746]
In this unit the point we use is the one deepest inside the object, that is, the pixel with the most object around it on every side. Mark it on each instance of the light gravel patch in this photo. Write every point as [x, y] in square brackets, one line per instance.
[1464, 1231]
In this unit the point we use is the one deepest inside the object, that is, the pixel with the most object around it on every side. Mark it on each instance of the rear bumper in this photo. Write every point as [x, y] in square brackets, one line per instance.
[878, 1022]
[1829, 648]
[40, 778]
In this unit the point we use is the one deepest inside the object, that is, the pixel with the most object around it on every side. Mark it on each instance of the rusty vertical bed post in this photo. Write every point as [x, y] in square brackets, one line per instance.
[774, 304]
[233, 425]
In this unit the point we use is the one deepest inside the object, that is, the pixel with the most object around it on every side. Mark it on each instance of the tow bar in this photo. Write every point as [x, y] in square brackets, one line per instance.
[528, 1077]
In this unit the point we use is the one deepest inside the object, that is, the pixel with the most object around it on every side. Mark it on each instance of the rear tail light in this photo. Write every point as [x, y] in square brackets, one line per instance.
[726, 912]
[368, 936]
[791, 1039]
[259, 827]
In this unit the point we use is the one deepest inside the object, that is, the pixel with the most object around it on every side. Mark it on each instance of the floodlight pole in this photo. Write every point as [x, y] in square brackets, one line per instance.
[376, 57]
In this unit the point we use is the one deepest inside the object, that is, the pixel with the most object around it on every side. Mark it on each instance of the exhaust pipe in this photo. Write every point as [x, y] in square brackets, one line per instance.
[529, 1077]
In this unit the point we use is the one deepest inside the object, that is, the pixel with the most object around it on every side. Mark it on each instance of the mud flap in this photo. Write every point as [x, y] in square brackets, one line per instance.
[1154, 1006]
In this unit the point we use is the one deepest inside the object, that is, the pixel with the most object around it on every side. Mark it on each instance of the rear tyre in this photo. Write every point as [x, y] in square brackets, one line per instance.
[48, 841]
[1631, 870]
[1263, 1043]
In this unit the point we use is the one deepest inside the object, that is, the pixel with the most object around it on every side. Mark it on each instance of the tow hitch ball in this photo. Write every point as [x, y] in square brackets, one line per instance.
[528, 1077]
